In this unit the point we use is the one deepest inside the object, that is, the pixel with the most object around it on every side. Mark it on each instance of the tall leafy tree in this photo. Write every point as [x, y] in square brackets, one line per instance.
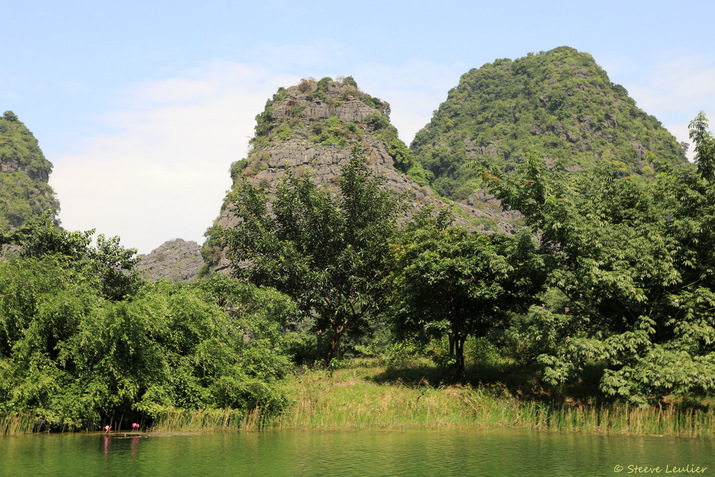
[453, 282]
[633, 264]
[704, 146]
[328, 252]
[108, 260]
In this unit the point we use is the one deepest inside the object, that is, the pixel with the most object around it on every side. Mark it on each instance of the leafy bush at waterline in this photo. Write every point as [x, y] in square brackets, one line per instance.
[77, 359]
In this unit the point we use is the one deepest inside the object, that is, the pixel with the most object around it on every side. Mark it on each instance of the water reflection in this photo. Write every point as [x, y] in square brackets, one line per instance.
[358, 453]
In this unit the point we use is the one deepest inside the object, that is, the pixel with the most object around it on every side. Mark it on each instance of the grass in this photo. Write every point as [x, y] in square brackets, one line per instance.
[207, 420]
[370, 394]
[367, 395]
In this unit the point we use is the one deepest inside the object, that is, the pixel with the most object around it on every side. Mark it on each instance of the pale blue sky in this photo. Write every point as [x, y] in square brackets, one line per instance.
[142, 105]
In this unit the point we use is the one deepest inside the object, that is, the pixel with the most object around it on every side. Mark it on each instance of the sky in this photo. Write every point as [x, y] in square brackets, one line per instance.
[142, 106]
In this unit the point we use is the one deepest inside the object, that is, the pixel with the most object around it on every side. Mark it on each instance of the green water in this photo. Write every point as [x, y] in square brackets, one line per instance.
[354, 453]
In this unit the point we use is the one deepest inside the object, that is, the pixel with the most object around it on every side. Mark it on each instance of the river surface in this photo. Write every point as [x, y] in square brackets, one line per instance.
[355, 453]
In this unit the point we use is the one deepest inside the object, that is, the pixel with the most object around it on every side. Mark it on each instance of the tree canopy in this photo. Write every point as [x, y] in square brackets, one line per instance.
[449, 281]
[326, 251]
[632, 268]
[84, 341]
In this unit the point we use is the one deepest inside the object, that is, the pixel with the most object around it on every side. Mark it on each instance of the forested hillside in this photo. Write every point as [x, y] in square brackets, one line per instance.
[24, 174]
[558, 105]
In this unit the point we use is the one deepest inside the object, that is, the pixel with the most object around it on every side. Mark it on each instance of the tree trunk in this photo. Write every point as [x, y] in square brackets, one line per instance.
[334, 345]
[460, 355]
[456, 351]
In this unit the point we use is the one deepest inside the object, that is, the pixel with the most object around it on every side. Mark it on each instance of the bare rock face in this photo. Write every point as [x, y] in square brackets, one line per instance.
[314, 126]
[175, 261]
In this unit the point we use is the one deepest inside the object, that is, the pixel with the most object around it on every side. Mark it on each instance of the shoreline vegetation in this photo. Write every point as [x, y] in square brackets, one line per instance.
[367, 393]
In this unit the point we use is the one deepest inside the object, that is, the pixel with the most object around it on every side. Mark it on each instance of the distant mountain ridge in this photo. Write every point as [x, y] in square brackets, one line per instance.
[176, 260]
[558, 104]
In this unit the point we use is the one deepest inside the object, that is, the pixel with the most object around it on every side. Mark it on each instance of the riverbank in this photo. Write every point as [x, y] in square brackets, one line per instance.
[367, 394]
[363, 394]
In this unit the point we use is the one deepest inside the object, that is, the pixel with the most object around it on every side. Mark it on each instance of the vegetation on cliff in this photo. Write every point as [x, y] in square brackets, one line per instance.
[315, 126]
[330, 113]
[558, 105]
[24, 172]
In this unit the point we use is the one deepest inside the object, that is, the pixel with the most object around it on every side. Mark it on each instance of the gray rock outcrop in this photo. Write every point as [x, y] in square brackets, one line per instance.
[175, 261]
[314, 126]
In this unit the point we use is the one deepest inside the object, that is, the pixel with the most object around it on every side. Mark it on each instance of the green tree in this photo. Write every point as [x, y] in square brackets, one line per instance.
[74, 358]
[704, 146]
[108, 260]
[327, 252]
[84, 340]
[632, 272]
[453, 282]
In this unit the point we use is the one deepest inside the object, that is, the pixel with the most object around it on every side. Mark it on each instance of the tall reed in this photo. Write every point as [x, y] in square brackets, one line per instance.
[206, 420]
[20, 423]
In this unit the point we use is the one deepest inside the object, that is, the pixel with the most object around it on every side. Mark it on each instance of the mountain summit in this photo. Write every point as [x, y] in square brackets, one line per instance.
[558, 104]
[314, 126]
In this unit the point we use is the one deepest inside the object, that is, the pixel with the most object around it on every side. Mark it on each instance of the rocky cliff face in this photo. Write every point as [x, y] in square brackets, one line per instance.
[176, 261]
[24, 175]
[314, 126]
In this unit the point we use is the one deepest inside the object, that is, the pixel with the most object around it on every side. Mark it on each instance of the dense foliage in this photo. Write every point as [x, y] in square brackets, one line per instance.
[559, 105]
[299, 112]
[24, 172]
[450, 282]
[84, 342]
[327, 252]
[632, 277]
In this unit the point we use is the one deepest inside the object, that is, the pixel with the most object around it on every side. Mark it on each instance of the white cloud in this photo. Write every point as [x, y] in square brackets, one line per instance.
[679, 86]
[674, 87]
[164, 172]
